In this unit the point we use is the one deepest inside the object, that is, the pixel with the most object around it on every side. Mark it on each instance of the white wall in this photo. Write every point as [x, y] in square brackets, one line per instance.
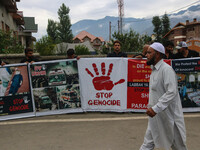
[7, 19]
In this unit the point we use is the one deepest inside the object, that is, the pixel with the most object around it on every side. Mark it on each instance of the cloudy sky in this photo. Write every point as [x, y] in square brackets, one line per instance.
[43, 10]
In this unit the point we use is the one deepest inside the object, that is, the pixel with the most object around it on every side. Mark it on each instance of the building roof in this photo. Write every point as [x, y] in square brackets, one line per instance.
[18, 17]
[183, 25]
[177, 26]
[101, 39]
[29, 24]
[84, 34]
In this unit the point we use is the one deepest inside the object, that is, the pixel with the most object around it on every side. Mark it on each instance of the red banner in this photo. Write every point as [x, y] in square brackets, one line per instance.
[138, 84]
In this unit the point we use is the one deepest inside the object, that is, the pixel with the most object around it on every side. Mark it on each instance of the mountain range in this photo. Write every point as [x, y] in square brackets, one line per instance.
[100, 27]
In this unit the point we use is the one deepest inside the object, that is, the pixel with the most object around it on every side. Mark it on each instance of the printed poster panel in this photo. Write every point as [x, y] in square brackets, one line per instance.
[103, 84]
[188, 74]
[56, 87]
[138, 84]
[15, 93]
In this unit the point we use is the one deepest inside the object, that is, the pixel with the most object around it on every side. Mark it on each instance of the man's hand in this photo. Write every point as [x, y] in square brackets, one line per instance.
[32, 62]
[78, 57]
[139, 56]
[150, 112]
[3, 63]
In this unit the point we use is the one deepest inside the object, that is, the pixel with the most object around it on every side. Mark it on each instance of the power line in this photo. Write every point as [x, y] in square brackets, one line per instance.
[169, 12]
[185, 6]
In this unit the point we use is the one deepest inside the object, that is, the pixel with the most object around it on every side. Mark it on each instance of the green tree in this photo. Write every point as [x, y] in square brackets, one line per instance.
[131, 41]
[81, 50]
[165, 26]
[157, 28]
[161, 27]
[64, 25]
[45, 46]
[9, 44]
[105, 49]
[145, 39]
[52, 30]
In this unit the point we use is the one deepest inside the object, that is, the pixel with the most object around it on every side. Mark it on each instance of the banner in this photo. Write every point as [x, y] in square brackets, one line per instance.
[56, 87]
[89, 84]
[188, 74]
[15, 93]
[103, 84]
[138, 84]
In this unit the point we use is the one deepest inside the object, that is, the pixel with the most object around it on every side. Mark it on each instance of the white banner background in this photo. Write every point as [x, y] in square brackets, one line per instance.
[112, 99]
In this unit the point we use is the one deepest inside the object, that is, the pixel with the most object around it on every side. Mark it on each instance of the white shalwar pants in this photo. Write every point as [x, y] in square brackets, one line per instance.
[178, 143]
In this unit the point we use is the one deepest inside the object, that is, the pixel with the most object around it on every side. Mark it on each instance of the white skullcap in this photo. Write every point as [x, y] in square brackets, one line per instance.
[158, 47]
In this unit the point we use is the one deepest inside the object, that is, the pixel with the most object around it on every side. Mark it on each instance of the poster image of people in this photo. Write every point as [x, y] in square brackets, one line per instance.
[188, 76]
[14, 80]
[5, 77]
[189, 89]
[15, 93]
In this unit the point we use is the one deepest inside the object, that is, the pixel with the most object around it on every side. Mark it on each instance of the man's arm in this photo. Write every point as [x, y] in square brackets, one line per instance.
[2, 63]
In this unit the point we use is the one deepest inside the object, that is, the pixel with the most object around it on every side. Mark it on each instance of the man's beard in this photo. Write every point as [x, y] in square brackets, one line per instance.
[151, 61]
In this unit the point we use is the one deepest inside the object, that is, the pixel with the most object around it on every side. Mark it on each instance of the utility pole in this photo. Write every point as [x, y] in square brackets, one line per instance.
[121, 14]
[118, 23]
[110, 31]
[109, 36]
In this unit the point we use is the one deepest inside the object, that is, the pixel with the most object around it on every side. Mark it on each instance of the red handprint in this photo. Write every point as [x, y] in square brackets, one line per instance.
[103, 82]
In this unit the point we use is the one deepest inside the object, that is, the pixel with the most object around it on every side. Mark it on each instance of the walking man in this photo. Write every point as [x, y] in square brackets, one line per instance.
[166, 127]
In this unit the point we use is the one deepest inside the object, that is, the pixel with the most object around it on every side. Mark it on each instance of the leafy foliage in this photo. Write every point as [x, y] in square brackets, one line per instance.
[52, 30]
[81, 50]
[165, 26]
[131, 41]
[105, 49]
[45, 46]
[161, 27]
[60, 31]
[157, 27]
[64, 31]
[9, 44]
[57, 32]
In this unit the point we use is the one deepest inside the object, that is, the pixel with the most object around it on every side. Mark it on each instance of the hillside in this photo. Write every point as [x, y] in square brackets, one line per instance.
[100, 27]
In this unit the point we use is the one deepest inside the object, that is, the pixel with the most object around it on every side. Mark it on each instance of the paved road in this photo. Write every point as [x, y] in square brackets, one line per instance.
[88, 131]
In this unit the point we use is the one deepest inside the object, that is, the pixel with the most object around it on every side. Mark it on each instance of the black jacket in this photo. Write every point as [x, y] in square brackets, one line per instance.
[120, 54]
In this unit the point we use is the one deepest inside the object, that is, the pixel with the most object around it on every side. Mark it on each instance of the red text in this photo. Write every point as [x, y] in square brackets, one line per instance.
[103, 95]
[17, 108]
[104, 102]
[17, 101]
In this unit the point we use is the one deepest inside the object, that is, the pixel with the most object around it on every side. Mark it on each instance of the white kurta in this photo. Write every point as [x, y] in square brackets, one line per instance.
[165, 101]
